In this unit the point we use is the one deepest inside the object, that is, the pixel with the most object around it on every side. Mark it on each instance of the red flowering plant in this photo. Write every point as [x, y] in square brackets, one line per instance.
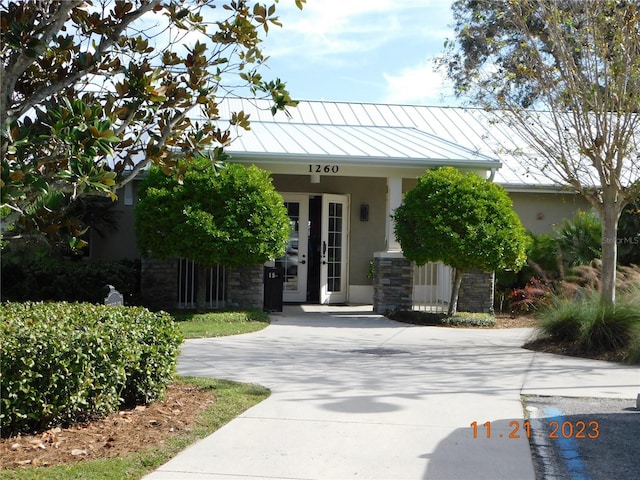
[529, 298]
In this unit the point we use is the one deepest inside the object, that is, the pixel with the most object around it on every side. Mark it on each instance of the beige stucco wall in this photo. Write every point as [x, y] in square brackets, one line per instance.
[540, 212]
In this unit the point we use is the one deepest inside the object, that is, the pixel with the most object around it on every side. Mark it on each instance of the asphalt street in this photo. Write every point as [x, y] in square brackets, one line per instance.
[584, 438]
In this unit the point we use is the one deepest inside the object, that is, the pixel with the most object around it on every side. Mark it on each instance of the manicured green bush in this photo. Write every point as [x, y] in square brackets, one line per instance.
[227, 214]
[63, 363]
[463, 220]
[469, 319]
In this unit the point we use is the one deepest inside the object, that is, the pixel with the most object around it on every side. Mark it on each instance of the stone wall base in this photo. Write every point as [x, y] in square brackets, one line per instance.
[392, 282]
[245, 287]
[476, 292]
[159, 283]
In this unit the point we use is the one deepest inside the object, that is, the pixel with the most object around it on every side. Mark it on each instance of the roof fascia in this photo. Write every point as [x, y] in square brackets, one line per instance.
[354, 160]
[525, 188]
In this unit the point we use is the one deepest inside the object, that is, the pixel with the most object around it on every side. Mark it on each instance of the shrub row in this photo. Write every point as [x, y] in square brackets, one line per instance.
[64, 363]
[62, 279]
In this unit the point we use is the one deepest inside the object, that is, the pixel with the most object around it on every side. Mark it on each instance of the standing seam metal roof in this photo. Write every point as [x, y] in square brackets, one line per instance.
[379, 131]
[348, 141]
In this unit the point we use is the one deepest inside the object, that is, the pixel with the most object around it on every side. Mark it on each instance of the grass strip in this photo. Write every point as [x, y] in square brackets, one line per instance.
[220, 324]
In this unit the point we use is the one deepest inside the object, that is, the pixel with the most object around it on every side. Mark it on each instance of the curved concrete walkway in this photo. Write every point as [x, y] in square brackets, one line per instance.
[355, 395]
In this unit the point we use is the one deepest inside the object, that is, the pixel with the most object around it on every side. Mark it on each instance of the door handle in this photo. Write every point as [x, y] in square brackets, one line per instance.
[324, 248]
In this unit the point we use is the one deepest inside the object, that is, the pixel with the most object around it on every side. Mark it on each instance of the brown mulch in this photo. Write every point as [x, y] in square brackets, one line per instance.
[119, 434]
[522, 321]
[502, 320]
[571, 349]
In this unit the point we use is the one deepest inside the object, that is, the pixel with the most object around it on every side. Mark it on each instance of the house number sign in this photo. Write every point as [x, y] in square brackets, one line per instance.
[318, 168]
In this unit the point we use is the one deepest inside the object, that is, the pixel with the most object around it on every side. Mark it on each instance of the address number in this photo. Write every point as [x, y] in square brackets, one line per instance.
[316, 168]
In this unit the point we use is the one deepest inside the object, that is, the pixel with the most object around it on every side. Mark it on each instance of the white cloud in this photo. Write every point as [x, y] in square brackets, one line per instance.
[325, 28]
[419, 84]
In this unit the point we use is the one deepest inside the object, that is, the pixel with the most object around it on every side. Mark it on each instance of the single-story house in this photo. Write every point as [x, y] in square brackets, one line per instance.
[342, 169]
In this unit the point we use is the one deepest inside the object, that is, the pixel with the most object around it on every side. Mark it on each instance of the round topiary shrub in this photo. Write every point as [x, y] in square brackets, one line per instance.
[64, 363]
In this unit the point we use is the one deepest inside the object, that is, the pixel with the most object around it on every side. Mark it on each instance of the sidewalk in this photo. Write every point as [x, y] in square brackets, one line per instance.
[355, 395]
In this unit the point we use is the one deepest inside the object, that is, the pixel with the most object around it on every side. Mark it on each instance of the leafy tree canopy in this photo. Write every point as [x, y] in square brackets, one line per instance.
[231, 215]
[565, 76]
[462, 220]
[91, 89]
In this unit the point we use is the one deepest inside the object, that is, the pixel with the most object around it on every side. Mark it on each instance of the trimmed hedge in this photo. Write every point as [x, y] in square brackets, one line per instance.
[64, 363]
[43, 278]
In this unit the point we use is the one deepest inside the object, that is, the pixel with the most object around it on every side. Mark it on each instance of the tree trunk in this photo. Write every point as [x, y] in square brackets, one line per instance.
[610, 216]
[201, 294]
[455, 291]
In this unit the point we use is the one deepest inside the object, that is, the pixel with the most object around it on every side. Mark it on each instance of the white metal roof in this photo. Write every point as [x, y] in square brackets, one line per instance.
[349, 144]
[381, 132]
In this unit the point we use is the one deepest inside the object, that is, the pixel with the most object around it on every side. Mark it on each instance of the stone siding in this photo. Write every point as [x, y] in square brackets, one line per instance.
[245, 287]
[159, 283]
[476, 292]
[392, 282]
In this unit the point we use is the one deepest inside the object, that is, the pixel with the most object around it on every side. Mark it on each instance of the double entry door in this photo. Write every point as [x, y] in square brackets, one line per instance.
[315, 261]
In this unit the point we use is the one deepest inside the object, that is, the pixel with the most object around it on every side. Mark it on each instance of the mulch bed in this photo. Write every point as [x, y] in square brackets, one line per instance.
[116, 435]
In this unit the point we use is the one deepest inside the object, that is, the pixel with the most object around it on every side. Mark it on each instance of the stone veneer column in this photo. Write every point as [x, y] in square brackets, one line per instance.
[476, 292]
[245, 287]
[392, 282]
[159, 283]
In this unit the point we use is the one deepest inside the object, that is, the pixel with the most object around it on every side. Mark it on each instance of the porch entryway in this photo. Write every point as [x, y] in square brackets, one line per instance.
[315, 264]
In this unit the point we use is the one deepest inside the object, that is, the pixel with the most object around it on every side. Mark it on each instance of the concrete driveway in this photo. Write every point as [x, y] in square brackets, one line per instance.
[355, 395]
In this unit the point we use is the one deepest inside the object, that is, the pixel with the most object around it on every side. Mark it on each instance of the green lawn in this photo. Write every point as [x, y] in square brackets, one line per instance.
[219, 324]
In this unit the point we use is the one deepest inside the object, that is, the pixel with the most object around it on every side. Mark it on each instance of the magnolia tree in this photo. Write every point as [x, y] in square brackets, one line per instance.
[230, 216]
[93, 91]
[462, 220]
[565, 76]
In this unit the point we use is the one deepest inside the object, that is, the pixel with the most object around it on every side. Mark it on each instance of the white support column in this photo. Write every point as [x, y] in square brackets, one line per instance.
[394, 199]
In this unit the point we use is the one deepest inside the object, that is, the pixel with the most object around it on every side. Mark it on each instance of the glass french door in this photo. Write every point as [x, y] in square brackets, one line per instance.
[294, 261]
[334, 249]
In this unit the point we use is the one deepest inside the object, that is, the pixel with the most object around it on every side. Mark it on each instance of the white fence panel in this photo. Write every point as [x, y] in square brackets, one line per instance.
[432, 287]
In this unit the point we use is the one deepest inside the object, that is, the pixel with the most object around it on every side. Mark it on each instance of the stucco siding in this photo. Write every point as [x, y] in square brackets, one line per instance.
[541, 212]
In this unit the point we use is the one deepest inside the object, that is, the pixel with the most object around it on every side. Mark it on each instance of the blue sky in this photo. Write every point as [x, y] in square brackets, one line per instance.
[361, 50]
